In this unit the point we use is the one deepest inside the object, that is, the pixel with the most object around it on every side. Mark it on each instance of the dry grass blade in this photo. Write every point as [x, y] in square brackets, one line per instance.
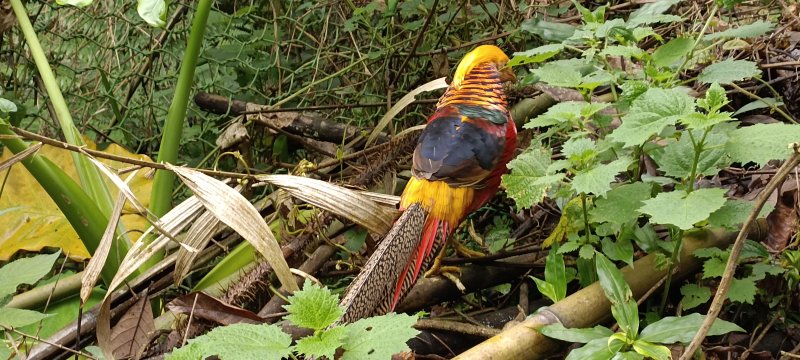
[198, 237]
[98, 260]
[382, 199]
[404, 101]
[22, 155]
[347, 203]
[234, 210]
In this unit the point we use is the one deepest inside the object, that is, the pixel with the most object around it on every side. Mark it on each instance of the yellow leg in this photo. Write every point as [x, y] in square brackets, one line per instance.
[465, 251]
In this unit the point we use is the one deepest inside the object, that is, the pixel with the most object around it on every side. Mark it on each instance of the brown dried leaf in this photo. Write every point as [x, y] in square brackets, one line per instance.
[130, 335]
[782, 221]
[204, 306]
[400, 105]
[95, 266]
[198, 237]
[234, 134]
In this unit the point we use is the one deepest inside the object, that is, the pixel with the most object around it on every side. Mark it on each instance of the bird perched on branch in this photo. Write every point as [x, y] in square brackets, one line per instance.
[457, 165]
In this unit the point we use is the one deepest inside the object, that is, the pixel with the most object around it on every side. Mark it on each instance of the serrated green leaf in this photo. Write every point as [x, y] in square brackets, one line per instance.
[761, 143]
[648, 11]
[579, 149]
[682, 329]
[313, 307]
[153, 12]
[237, 341]
[758, 104]
[25, 271]
[620, 250]
[598, 179]
[530, 179]
[558, 74]
[567, 111]
[694, 295]
[713, 267]
[586, 251]
[558, 331]
[379, 337]
[743, 290]
[650, 113]
[14, 318]
[757, 28]
[682, 210]
[619, 206]
[760, 270]
[672, 51]
[729, 71]
[715, 98]
[535, 55]
[624, 51]
[677, 156]
[598, 349]
[650, 350]
[323, 343]
[734, 213]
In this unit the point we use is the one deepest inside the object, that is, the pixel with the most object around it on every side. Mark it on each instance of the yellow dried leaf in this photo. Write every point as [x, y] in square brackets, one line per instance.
[32, 221]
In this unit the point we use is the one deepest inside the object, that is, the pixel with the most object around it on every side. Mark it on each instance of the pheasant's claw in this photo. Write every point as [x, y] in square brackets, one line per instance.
[465, 251]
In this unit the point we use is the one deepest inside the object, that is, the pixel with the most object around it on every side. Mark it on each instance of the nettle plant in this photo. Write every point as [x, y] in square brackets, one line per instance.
[313, 308]
[596, 176]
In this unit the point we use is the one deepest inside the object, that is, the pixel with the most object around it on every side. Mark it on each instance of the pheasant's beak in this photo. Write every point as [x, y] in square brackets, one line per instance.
[507, 74]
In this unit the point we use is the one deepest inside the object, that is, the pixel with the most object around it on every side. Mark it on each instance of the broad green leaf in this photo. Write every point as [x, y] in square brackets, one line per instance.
[7, 106]
[761, 143]
[624, 51]
[14, 318]
[5, 351]
[682, 210]
[598, 179]
[734, 213]
[586, 252]
[579, 150]
[703, 121]
[323, 343]
[757, 28]
[535, 55]
[758, 104]
[598, 349]
[530, 179]
[713, 267]
[558, 331]
[623, 306]
[567, 111]
[672, 51]
[682, 329]
[154, 12]
[619, 206]
[677, 156]
[715, 98]
[729, 71]
[313, 307]
[546, 289]
[628, 355]
[25, 271]
[760, 270]
[650, 113]
[379, 337]
[237, 341]
[558, 74]
[743, 290]
[620, 250]
[650, 350]
[548, 31]
[649, 11]
[555, 273]
[694, 295]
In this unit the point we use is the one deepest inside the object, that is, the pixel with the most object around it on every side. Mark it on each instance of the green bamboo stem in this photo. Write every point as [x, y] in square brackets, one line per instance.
[79, 209]
[161, 196]
[90, 178]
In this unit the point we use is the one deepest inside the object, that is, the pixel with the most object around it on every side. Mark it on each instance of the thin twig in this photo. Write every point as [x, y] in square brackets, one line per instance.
[456, 327]
[730, 267]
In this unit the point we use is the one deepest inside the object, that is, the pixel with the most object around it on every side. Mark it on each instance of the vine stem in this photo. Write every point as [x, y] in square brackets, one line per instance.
[696, 42]
[771, 106]
[730, 267]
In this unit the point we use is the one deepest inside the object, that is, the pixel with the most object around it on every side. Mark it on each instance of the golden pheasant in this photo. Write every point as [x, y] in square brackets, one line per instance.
[457, 165]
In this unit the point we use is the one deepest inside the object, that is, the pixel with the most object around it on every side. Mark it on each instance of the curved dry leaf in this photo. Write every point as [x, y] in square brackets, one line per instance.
[234, 210]
[131, 334]
[400, 105]
[204, 306]
[198, 237]
[344, 202]
[96, 263]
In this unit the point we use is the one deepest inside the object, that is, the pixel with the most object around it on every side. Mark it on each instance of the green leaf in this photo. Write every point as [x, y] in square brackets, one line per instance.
[153, 12]
[558, 331]
[682, 210]
[566, 112]
[14, 318]
[650, 113]
[76, 3]
[761, 143]
[7, 106]
[558, 74]
[703, 121]
[672, 51]
[677, 156]
[682, 329]
[555, 273]
[5, 351]
[694, 295]
[237, 341]
[530, 179]
[713, 267]
[323, 343]
[760, 270]
[619, 206]
[548, 31]
[759, 104]
[650, 350]
[586, 252]
[729, 71]
[313, 307]
[598, 349]
[579, 150]
[546, 289]
[743, 290]
[623, 51]
[628, 355]
[649, 11]
[25, 271]
[734, 213]
[598, 179]
[715, 98]
[378, 337]
[757, 28]
[623, 306]
[621, 250]
[535, 55]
